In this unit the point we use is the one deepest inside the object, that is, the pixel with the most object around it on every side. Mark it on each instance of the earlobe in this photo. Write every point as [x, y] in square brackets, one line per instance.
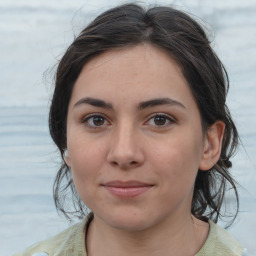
[212, 146]
[66, 157]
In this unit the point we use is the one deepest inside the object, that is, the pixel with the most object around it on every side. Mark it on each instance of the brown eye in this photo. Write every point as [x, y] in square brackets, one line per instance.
[160, 120]
[98, 120]
[95, 121]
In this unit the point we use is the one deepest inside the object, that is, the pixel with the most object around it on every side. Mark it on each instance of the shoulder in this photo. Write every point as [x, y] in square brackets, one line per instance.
[53, 245]
[66, 243]
[220, 242]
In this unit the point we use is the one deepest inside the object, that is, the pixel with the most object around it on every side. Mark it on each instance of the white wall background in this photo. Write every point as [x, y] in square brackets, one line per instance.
[34, 33]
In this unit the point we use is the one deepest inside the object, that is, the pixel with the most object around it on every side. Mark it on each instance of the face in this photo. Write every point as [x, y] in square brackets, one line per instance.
[134, 138]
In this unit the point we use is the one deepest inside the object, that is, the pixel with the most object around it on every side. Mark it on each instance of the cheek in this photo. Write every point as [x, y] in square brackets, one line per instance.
[86, 161]
[179, 159]
[85, 171]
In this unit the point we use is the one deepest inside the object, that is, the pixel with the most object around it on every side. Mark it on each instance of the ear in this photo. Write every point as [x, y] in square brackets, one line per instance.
[66, 158]
[212, 146]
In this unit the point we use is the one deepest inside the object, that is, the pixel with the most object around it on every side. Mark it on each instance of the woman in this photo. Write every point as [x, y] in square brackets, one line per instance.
[139, 117]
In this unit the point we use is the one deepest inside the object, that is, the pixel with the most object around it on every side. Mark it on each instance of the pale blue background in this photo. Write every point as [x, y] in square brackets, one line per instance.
[34, 34]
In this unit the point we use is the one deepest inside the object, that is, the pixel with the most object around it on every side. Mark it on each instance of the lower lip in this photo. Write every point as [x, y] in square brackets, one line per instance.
[127, 192]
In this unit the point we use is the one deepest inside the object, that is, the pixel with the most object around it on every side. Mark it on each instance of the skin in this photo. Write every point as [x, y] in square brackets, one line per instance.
[161, 145]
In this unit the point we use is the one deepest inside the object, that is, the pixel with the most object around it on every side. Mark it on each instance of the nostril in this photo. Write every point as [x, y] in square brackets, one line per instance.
[126, 165]
[115, 163]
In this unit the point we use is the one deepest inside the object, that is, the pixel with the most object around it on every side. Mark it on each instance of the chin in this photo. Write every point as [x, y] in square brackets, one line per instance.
[130, 225]
[128, 221]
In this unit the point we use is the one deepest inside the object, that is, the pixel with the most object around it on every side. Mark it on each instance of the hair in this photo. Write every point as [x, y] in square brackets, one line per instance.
[183, 39]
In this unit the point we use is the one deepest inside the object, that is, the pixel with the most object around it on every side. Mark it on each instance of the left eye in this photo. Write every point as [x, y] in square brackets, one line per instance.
[160, 120]
[95, 121]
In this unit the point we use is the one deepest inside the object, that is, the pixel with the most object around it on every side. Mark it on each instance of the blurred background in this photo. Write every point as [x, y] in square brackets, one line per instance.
[34, 35]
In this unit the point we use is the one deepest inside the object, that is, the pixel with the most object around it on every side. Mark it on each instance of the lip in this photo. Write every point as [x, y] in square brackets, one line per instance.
[127, 189]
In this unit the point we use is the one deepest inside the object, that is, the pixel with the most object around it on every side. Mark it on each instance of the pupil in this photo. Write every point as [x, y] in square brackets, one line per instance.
[160, 120]
[98, 121]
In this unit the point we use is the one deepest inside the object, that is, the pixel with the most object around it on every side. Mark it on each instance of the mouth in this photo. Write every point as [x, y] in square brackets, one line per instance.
[127, 189]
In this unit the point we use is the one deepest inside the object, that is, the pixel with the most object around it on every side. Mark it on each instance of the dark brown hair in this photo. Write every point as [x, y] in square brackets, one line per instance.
[185, 40]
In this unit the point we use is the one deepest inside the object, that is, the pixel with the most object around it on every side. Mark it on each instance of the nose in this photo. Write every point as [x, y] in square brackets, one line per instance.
[125, 151]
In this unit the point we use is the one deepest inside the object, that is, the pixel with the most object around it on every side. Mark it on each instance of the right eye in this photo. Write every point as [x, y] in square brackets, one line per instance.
[95, 121]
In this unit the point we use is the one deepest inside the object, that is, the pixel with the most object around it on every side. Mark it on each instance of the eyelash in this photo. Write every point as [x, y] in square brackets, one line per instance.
[86, 119]
[167, 118]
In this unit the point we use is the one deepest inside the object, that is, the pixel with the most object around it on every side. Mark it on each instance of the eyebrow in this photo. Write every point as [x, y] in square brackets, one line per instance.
[159, 102]
[94, 102]
[143, 105]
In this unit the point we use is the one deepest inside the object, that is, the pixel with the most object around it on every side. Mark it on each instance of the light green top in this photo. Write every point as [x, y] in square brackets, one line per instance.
[71, 242]
[219, 243]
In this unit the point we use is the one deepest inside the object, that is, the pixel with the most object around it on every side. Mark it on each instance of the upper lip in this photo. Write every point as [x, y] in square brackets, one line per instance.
[126, 184]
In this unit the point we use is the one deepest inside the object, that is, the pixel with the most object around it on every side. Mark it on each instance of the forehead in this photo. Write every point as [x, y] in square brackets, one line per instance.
[136, 60]
[135, 73]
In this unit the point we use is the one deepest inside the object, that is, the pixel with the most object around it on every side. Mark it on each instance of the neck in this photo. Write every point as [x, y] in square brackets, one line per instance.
[172, 237]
